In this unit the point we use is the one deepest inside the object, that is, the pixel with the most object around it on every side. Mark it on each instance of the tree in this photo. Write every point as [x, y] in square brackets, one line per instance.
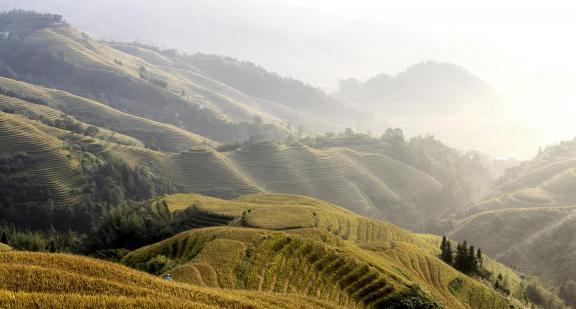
[4, 238]
[480, 258]
[446, 248]
[52, 247]
[472, 262]
[461, 256]
[91, 131]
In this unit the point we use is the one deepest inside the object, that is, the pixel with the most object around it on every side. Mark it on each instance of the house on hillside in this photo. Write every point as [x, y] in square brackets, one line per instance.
[4, 35]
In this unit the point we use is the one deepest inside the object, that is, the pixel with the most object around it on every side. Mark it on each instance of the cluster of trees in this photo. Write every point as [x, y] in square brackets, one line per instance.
[465, 259]
[48, 241]
[29, 20]
[21, 96]
[465, 175]
[470, 261]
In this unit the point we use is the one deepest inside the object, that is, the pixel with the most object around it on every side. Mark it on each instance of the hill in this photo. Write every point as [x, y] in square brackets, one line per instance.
[426, 88]
[162, 114]
[59, 56]
[350, 172]
[62, 281]
[526, 218]
[294, 244]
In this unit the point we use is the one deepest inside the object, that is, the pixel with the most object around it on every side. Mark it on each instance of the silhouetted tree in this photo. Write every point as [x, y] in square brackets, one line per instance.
[461, 256]
[446, 248]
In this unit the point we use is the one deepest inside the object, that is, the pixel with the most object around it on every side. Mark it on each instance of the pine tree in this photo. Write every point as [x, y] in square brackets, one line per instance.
[461, 256]
[479, 258]
[472, 262]
[446, 248]
[4, 238]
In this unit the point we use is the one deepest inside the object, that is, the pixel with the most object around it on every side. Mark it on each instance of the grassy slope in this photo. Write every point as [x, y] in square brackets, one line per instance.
[61, 281]
[307, 246]
[141, 97]
[169, 138]
[4, 247]
[222, 96]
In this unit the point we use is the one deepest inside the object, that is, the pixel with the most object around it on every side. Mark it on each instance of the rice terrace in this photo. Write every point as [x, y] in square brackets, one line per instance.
[287, 154]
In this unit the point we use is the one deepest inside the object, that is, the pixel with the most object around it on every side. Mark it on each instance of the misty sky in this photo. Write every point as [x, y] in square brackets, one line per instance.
[524, 49]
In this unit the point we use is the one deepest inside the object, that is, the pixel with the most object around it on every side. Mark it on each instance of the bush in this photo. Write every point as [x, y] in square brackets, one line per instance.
[455, 286]
[413, 297]
[157, 265]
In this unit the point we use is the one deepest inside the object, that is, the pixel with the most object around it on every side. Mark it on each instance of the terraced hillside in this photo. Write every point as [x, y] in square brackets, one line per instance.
[63, 281]
[526, 220]
[62, 57]
[366, 183]
[292, 244]
[167, 137]
[47, 159]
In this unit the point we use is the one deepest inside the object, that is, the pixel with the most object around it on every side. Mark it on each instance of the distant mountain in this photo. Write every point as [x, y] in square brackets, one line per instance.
[437, 98]
[427, 88]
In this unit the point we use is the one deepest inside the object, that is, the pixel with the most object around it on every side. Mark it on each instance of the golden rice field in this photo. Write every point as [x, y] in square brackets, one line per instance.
[304, 246]
[64, 281]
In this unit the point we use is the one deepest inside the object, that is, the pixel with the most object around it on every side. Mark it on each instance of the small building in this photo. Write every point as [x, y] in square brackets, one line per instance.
[4, 35]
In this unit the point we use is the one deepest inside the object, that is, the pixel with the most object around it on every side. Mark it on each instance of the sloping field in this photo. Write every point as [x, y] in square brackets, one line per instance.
[536, 176]
[405, 180]
[208, 172]
[64, 281]
[200, 170]
[368, 184]
[82, 50]
[318, 249]
[5, 247]
[168, 137]
[300, 171]
[50, 164]
[37, 111]
[283, 212]
[525, 238]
